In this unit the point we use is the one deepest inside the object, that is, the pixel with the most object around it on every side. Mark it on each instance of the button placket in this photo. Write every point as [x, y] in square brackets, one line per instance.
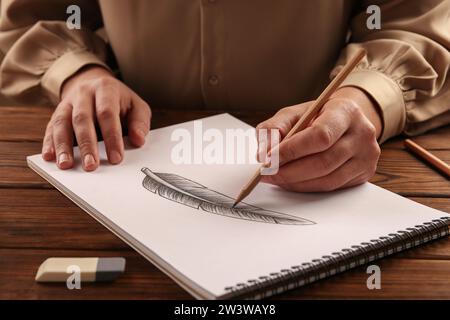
[212, 49]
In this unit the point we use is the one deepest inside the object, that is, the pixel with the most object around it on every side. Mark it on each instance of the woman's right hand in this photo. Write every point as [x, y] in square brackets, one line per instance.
[93, 96]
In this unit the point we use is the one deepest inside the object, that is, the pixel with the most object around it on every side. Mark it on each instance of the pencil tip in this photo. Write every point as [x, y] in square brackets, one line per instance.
[234, 205]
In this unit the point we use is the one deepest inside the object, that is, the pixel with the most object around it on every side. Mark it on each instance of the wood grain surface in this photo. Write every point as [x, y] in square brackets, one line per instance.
[37, 222]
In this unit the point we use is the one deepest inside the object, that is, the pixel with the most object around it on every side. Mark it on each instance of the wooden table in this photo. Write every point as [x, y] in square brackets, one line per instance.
[37, 222]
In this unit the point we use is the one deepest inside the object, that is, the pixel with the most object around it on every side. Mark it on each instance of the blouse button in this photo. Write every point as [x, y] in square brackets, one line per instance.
[213, 80]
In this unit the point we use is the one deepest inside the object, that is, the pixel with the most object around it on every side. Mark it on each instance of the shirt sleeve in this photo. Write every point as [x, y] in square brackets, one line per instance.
[406, 70]
[41, 52]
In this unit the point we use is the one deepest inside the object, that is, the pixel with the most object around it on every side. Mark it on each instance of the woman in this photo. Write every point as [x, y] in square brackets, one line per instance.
[232, 54]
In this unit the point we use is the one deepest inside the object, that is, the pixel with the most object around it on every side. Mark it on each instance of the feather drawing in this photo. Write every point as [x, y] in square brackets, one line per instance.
[190, 193]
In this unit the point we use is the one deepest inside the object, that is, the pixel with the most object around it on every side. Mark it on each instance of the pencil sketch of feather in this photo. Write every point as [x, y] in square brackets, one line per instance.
[195, 195]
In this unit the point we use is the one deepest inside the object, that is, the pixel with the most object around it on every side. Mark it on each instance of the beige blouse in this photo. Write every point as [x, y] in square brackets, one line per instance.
[234, 54]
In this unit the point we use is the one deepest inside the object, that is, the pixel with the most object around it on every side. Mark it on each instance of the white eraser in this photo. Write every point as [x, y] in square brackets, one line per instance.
[91, 269]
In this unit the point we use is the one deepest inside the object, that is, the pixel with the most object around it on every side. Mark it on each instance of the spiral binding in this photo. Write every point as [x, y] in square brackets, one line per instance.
[348, 258]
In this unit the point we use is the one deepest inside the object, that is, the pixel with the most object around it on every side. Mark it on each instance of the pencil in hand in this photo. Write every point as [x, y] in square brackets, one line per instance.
[308, 116]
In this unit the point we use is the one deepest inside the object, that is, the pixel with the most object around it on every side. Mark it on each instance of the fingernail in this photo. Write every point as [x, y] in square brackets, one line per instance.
[115, 157]
[47, 150]
[47, 153]
[89, 161]
[141, 134]
[262, 149]
[63, 158]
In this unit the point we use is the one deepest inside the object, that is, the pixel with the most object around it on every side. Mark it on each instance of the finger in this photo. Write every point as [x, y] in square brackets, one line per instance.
[263, 139]
[323, 133]
[84, 128]
[282, 121]
[62, 136]
[48, 149]
[370, 165]
[267, 139]
[138, 121]
[107, 107]
[314, 166]
[360, 179]
[333, 181]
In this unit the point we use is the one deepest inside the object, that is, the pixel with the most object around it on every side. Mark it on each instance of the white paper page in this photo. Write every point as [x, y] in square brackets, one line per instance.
[216, 251]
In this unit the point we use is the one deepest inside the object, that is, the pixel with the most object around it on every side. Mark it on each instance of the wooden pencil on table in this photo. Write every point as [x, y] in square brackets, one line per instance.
[428, 157]
[308, 116]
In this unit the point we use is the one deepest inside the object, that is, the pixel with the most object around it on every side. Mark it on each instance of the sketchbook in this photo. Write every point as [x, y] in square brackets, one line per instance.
[180, 218]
